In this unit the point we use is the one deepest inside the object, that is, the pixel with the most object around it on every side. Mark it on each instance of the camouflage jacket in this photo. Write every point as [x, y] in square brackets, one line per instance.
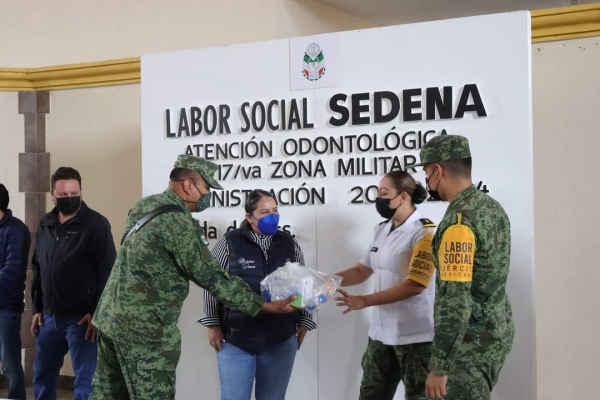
[473, 317]
[144, 294]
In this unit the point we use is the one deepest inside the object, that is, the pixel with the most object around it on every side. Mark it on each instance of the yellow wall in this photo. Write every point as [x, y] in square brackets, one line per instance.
[566, 118]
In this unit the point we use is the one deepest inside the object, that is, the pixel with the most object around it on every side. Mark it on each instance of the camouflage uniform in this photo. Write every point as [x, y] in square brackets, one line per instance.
[474, 328]
[384, 366]
[139, 343]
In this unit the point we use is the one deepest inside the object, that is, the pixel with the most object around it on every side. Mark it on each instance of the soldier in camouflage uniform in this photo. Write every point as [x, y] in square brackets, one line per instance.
[138, 340]
[474, 328]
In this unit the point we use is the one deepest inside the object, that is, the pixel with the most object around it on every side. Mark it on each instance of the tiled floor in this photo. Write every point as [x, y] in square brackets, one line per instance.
[61, 395]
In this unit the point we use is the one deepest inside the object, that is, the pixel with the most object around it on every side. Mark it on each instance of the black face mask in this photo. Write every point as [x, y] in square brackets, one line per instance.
[68, 205]
[383, 207]
[435, 196]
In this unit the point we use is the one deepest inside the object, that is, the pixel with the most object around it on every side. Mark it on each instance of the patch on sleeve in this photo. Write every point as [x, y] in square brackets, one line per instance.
[457, 253]
[204, 240]
[202, 236]
[421, 267]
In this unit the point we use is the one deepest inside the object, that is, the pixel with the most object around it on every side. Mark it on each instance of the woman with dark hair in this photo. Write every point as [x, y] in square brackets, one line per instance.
[261, 349]
[399, 258]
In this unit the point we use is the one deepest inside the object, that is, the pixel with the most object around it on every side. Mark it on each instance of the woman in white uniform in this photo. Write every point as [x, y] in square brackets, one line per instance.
[399, 259]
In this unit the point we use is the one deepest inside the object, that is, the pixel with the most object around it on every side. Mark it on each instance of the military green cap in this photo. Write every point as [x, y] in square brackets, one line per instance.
[204, 167]
[444, 148]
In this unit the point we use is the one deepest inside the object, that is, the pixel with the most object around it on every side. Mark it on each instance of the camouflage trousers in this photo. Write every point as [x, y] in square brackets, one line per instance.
[470, 380]
[127, 371]
[385, 366]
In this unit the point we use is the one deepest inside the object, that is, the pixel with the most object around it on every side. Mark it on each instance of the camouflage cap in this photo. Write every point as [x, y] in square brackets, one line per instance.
[204, 167]
[444, 148]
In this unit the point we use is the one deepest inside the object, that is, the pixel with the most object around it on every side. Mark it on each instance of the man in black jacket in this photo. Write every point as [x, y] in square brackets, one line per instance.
[73, 257]
[15, 241]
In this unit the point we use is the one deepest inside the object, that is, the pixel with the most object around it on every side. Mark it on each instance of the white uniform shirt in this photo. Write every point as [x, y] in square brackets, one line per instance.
[404, 253]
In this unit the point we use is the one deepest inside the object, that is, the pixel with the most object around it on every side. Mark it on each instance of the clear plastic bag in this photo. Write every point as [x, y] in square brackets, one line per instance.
[310, 287]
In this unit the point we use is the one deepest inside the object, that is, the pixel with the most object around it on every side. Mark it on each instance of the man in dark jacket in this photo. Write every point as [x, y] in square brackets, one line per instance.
[15, 241]
[74, 255]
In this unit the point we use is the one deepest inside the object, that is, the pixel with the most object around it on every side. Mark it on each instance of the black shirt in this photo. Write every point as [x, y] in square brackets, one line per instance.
[71, 263]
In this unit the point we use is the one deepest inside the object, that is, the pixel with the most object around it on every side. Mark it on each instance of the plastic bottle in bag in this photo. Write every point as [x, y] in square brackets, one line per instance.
[310, 287]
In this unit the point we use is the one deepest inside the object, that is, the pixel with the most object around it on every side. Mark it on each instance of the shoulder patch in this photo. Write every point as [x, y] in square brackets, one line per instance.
[203, 239]
[456, 253]
[201, 234]
[427, 223]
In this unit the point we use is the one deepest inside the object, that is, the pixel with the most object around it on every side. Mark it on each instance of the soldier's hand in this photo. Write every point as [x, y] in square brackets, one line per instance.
[91, 331]
[435, 387]
[36, 322]
[215, 337]
[279, 306]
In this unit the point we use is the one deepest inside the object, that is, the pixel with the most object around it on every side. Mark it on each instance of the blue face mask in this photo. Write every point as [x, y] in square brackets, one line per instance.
[267, 225]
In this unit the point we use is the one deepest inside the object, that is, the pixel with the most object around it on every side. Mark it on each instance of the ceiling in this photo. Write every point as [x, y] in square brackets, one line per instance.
[394, 12]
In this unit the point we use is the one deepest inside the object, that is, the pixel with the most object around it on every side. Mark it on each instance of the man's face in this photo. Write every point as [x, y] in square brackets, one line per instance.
[203, 186]
[433, 176]
[66, 188]
[193, 190]
[196, 188]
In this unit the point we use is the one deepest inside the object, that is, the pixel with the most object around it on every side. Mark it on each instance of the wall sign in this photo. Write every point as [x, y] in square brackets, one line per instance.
[318, 121]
